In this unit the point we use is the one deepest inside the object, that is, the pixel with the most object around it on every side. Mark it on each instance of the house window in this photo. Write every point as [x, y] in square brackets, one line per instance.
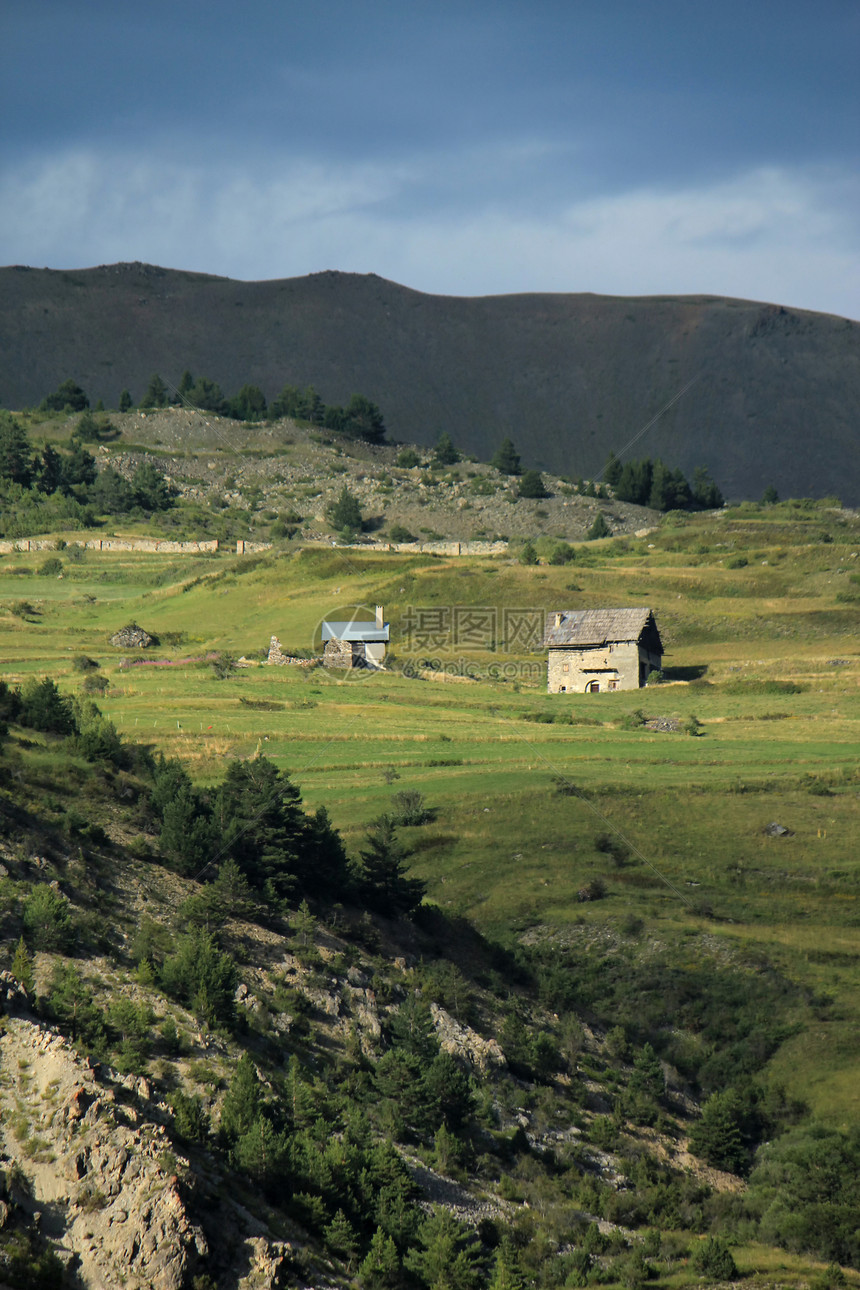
[565, 667]
[593, 687]
[613, 685]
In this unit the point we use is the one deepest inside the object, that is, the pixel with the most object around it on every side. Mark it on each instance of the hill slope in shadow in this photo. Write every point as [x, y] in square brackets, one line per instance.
[773, 400]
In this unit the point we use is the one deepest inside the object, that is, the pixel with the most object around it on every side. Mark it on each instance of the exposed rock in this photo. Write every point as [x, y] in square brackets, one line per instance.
[13, 997]
[269, 1262]
[774, 830]
[111, 1189]
[465, 1043]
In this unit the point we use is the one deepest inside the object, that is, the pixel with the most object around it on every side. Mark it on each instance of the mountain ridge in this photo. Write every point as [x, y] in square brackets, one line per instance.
[567, 376]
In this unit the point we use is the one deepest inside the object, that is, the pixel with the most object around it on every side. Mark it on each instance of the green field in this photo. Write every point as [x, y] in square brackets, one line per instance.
[758, 610]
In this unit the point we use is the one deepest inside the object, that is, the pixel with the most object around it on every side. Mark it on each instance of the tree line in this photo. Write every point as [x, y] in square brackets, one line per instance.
[64, 488]
[654, 484]
[360, 418]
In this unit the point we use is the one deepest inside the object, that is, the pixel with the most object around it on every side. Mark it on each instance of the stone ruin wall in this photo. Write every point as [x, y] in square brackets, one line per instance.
[277, 656]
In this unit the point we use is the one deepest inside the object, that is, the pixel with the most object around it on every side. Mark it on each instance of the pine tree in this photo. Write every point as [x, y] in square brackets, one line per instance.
[243, 1100]
[68, 395]
[258, 813]
[14, 452]
[507, 1273]
[599, 529]
[260, 1151]
[386, 887]
[612, 470]
[647, 1074]
[412, 1029]
[363, 419]
[156, 393]
[445, 454]
[22, 967]
[345, 513]
[506, 458]
[532, 485]
[380, 1269]
[125, 403]
[446, 1255]
[717, 1137]
[341, 1236]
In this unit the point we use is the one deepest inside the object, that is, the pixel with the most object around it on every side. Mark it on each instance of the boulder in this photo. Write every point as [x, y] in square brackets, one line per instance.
[131, 637]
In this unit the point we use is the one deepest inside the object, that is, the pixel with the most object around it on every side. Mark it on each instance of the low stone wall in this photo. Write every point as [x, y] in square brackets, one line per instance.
[432, 548]
[277, 656]
[164, 547]
[250, 548]
[155, 545]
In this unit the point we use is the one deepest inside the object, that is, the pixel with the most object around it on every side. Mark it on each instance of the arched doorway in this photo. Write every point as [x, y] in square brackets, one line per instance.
[593, 687]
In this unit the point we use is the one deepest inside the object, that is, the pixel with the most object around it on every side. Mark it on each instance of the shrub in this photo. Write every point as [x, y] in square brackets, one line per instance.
[81, 663]
[408, 458]
[410, 808]
[50, 568]
[399, 533]
[714, 1259]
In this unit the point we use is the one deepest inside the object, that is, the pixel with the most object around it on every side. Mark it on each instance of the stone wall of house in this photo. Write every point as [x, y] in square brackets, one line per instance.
[571, 669]
[338, 654]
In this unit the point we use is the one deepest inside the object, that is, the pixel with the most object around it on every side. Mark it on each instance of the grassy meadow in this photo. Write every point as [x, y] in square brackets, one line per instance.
[758, 609]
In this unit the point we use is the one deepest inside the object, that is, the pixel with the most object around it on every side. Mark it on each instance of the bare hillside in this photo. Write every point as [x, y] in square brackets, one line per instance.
[773, 399]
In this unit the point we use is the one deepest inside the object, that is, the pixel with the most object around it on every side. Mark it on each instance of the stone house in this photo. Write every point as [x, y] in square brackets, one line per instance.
[355, 643]
[591, 650]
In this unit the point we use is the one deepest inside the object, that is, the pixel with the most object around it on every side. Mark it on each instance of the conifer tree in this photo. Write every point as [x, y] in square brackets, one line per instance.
[380, 1268]
[22, 966]
[386, 887]
[612, 470]
[445, 454]
[243, 1100]
[156, 393]
[506, 458]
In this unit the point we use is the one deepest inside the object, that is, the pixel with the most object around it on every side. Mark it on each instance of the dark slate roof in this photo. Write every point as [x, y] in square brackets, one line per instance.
[591, 628]
[354, 631]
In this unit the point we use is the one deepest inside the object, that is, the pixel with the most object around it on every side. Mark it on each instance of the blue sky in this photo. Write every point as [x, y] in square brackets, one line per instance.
[626, 147]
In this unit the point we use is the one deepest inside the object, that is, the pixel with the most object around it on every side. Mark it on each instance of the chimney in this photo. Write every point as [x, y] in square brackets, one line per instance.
[559, 618]
[379, 621]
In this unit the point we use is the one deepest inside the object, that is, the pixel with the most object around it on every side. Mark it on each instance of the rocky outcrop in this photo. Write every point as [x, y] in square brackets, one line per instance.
[131, 637]
[465, 1043]
[101, 1183]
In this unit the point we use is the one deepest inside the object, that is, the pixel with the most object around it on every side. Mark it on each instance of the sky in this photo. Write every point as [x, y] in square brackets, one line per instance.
[460, 147]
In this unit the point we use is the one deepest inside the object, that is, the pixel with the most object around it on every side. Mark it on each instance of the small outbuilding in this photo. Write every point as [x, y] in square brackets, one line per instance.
[355, 643]
[591, 650]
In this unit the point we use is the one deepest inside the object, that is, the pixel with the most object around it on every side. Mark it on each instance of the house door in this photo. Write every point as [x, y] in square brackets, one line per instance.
[593, 687]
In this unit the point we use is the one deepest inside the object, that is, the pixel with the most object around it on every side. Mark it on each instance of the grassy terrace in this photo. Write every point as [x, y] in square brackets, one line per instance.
[759, 613]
